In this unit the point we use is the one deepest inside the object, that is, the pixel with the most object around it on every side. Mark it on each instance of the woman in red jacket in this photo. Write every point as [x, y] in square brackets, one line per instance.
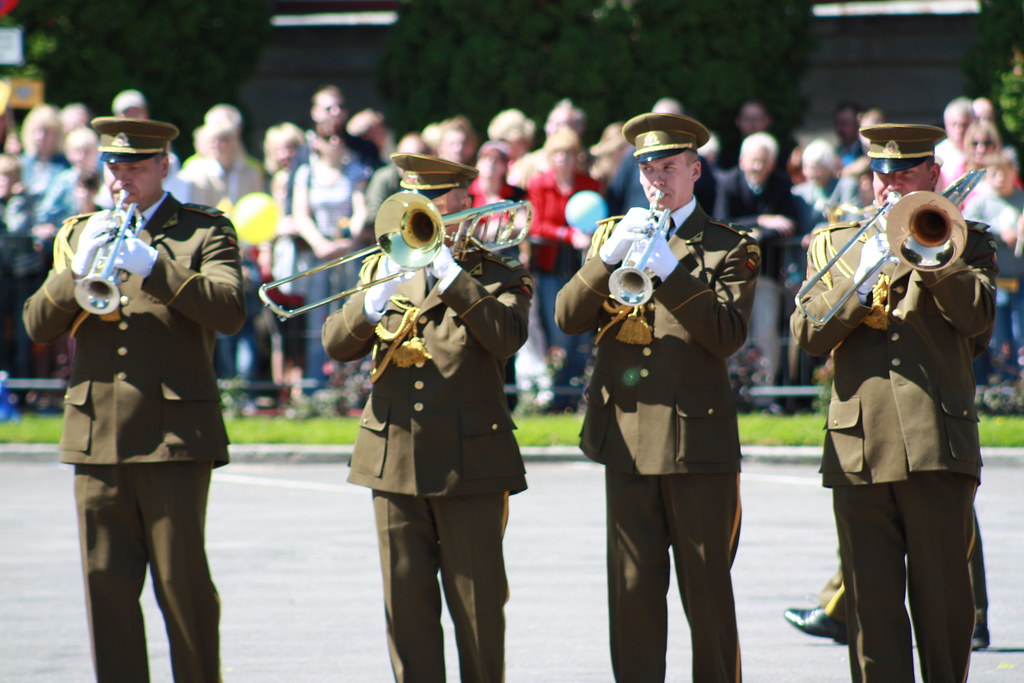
[558, 250]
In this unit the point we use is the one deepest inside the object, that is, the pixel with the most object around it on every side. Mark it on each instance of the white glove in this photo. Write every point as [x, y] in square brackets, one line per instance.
[627, 231]
[662, 261]
[136, 257]
[376, 298]
[875, 251]
[94, 235]
[444, 267]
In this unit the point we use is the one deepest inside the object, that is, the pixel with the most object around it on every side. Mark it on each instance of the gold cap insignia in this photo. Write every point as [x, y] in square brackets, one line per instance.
[121, 141]
[892, 147]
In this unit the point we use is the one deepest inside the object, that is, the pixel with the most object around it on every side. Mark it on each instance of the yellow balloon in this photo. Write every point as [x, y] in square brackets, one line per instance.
[255, 218]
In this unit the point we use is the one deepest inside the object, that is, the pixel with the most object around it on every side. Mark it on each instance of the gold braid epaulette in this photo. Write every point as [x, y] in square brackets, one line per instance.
[406, 348]
[369, 268]
[62, 252]
[632, 321]
[822, 250]
[602, 233]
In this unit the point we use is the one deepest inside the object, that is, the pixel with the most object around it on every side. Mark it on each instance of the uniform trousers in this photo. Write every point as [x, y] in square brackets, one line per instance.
[131, 517]
[460, 536]
[913, 535]
[698, 516]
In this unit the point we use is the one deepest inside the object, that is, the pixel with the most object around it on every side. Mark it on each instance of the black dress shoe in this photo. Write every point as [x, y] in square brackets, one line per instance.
[979, 641]
[815, 622]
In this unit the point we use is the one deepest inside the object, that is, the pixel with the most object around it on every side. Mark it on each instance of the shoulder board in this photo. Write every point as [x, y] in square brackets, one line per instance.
[738, 229]
[207, 210]
[510, 262]
[977, 227]
[77, 217]
[834, 226]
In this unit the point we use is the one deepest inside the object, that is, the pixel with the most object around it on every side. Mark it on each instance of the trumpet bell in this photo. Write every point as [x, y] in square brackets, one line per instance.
[926, 231]
[630, 286]
[97, 295]
[409, 229]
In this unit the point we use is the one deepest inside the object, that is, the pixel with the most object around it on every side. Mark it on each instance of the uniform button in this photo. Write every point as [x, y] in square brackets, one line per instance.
[418, 384]
[122, 351]
[122, 325]
[895, 362]
[647, 351]
[423, 320]
[417, 407]
[420, 364]
[965, 413]
[898, 289]
[897, 313]
[494, 427]
[711, 411]
[835, 422]
[645, 372]
[122, 375]
[124, 300]
[895, 336]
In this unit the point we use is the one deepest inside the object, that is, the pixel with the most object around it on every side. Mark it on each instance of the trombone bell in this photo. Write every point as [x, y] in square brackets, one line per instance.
[926, 231]
[409, 229]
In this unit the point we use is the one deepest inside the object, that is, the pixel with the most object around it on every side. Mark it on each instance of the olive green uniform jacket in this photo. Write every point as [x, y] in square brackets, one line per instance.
[902, 397]
[440, 426]
[142, 387]
[667, 406]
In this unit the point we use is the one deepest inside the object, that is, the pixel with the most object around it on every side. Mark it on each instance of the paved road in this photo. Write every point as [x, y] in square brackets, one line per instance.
[294, 557]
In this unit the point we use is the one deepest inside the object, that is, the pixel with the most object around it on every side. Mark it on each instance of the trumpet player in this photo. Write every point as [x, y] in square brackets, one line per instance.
[436, 444]
[142, 419]
[901, 451]
[661, 414]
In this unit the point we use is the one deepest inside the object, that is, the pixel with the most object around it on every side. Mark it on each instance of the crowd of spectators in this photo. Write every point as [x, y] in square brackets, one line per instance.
[328, 181]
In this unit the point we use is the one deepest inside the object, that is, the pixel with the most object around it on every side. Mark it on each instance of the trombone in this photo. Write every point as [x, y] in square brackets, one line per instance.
[410, 230]
[925, 230]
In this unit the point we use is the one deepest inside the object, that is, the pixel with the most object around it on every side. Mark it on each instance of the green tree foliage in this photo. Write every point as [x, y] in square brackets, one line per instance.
[185, 55]
[1011, 98]
[990, 63]
[613, 58]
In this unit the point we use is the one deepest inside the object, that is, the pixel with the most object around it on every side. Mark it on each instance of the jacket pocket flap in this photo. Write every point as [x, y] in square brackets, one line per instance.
[953, 406]
[705, 402]
[189, 386]
[77, 394]
[843, 414]
[485, 417]
[375, 415]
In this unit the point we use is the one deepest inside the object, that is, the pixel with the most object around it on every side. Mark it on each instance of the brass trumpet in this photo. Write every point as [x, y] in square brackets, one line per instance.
[97, 291]
[925, 230]
[632, 282]
[410, 230]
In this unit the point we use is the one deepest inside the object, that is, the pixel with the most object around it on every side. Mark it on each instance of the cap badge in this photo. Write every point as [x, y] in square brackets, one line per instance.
[121, 141]
[891, 147]
[650, 140]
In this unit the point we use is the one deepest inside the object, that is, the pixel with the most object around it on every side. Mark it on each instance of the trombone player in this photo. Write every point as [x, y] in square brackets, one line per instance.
[435, 443]
[901, 451]
[142, 418]
[661, 413]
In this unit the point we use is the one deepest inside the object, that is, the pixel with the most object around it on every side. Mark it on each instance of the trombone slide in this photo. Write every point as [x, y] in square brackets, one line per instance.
[411, 231]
